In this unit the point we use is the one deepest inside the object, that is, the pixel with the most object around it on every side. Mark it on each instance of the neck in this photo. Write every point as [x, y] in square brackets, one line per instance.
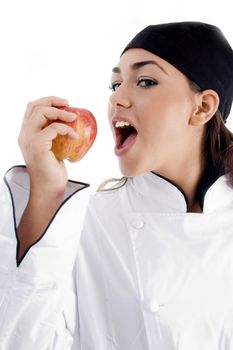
[187, 177]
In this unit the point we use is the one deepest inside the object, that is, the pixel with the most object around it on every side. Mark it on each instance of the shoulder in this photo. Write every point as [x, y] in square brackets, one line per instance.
[111, 198]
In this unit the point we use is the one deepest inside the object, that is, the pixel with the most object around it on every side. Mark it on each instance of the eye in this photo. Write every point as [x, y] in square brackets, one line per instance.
[146, 83]
[114, 86]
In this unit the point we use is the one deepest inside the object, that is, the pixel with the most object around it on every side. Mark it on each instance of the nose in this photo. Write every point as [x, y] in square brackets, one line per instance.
[120, 97]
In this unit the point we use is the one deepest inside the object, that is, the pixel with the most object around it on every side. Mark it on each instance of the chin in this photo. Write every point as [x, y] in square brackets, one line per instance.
[131, 170]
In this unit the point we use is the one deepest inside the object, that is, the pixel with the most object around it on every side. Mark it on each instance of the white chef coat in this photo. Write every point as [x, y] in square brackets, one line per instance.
[135, 271]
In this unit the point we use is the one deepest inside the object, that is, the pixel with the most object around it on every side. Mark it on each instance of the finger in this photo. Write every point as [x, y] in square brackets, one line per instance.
[46, 101]
[50, 101]
[51, 113]
[53, 130]
[41, 114]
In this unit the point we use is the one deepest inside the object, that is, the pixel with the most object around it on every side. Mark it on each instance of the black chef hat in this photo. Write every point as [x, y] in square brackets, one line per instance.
[198, 50]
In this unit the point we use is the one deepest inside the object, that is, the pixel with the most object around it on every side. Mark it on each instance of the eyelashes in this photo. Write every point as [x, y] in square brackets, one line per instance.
[142, 82]
[114, 86]
[146, 83]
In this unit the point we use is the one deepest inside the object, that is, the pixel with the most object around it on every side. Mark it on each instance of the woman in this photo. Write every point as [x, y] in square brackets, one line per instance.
[152, 265]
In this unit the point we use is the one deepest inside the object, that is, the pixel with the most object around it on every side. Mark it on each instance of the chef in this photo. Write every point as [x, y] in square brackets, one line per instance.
[146, 264]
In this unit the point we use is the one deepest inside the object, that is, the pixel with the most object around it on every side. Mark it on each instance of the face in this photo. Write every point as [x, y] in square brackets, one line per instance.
[156, 99]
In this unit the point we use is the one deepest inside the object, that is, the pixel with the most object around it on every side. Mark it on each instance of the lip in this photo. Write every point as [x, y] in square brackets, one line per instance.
[121, 119]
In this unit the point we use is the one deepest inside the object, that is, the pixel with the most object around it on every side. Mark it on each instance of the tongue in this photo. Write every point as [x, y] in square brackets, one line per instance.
[129, 139]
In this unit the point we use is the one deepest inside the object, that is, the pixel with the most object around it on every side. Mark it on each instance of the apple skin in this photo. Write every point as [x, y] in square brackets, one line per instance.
[85, 126]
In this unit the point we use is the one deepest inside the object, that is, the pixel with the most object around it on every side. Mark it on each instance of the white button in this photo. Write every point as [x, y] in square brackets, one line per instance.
[152, 306]
[137, 223]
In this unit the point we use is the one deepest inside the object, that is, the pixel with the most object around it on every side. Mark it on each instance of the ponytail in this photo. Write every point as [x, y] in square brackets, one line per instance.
[219, 145]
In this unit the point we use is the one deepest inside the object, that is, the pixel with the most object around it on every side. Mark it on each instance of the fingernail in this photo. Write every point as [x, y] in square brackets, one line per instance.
[73, 135]
[72, 115]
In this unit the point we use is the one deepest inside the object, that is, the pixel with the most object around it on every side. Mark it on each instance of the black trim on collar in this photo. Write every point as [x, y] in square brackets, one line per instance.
[171, 182]
[18, 261]
[210, 175]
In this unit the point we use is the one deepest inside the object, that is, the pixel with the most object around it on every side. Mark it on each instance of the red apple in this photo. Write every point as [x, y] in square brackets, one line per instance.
[85, 126]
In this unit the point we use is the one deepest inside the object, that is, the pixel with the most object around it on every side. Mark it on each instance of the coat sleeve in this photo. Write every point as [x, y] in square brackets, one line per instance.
[34, 293]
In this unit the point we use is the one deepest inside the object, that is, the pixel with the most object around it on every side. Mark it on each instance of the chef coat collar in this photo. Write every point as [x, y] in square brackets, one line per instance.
[213, 193]
[210, 176]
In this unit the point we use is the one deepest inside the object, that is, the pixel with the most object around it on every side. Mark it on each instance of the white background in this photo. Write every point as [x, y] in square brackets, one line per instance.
[67, 48]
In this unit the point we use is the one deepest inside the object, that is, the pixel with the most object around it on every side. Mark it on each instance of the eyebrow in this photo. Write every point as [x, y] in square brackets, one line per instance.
[140, 64]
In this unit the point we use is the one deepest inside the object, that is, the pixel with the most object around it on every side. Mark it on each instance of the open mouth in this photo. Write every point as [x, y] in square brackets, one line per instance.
[124, 136]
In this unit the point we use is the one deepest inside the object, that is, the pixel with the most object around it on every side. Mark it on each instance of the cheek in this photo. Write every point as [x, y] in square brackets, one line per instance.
[164, 127]
[109, 110]
[110, 114]
[174, 113]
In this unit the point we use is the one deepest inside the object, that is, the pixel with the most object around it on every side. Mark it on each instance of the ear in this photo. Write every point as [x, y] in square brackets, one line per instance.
[206, 105]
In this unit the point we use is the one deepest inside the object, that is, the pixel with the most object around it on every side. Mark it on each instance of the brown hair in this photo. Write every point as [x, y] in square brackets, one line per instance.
[217, 148]
[217, 143]
[119, 183]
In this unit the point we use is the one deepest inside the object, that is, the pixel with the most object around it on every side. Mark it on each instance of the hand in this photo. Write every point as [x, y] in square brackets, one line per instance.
[47, 174]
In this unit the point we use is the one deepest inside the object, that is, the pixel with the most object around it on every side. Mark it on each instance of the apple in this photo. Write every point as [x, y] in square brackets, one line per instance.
[85, 126]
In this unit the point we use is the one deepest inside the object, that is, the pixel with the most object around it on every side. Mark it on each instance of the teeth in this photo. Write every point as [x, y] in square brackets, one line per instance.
[122, 124]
